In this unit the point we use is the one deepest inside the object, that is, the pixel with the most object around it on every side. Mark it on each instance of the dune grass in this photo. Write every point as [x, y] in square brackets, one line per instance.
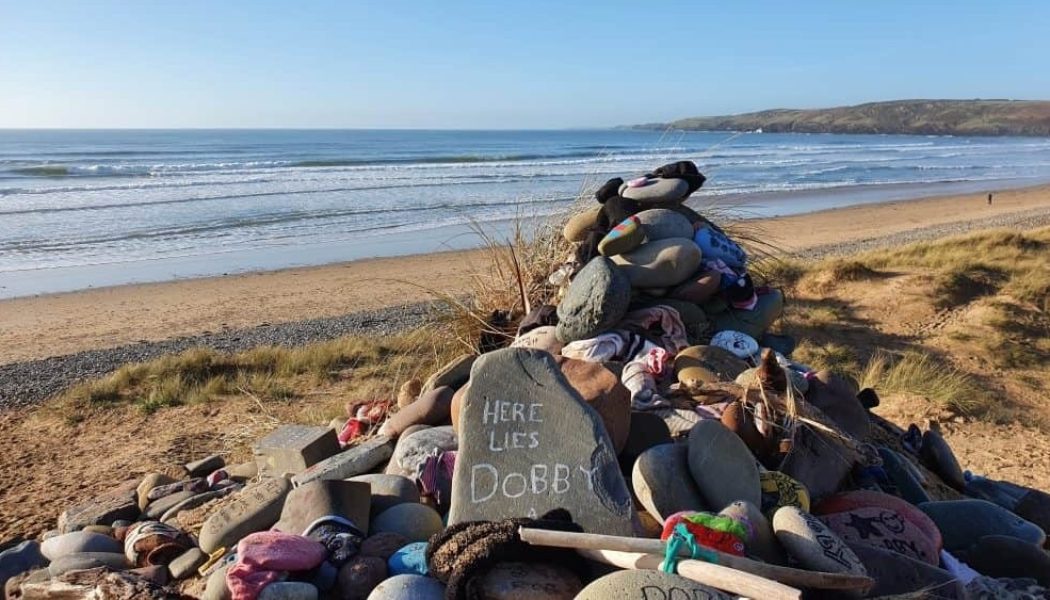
[921, 374]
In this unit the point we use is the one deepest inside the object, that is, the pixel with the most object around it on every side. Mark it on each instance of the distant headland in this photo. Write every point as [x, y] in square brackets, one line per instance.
[922, 117]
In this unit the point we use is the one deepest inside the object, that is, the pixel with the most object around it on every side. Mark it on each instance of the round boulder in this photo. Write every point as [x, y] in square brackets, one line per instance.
[415, 522]
[660, 264]
[661, 224]
[595, 301]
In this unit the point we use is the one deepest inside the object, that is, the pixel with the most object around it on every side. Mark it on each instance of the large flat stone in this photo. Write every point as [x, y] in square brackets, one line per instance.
[120, 504]
[359, 459]
[322, 498]
[291, 449]
[255, 508]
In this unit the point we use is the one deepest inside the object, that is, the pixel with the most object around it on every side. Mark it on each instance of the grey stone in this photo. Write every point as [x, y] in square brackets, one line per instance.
[647, 430]
[453, 375]
[325, 497]
[412, 450]
[541, 338]
[255, 508]
[658, 191]
[662, 482]
[243, 471]
[388, 490]
[359, 577]
[356, 460]
[679, 421]
[288, 590]
[660, 264]
[147, 484]
[763, 542]
[648, 585]
[964, 522]
[294, 448]
[156, 509]
[812, 544]
[78, 542]
[216, 588]
[118, 504]
[187, 563]
[1004, 556]
[197, 500]
[661, 224]
[19, 559]
[896, 574]
[525, 581]
[416, 522]
[722, 466]
[205, 466]
[409, 587]
[87, 560]
[937, 455]
[596, 300]
[530, 444]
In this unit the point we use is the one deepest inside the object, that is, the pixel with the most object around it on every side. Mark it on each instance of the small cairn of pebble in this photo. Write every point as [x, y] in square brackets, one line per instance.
[647, 401]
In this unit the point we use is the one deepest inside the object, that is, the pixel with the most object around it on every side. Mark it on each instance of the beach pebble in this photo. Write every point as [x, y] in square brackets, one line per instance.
[648, 585]
[696, 365]
[722, 466]
[964, 522]
[662, 224]
[624, 237]
[288, 590]
[18, 559]
[149, 482]
[454, 374]
[937, 455]
[156, 509]
[831, 395]
[525, 581]
[195, 501]
[1005, 556]
[254, 508]
[661, 263]
[388, 490]
[415, 522]
[408, 392]
[412, 450]
[383, 545]
[812, 544]
[204, 466]
[311, 501]
[118, 504]
[291, 449]
[87, 560]
[355, 460]
[901, 476]
[409, 587]
[216, 588]
[601, 389]
[409, 560]
[432, 408]
[896, 574]
[77, 542]
[186, 564]
[762, 542]
[581, 224]
[662, 481]
[656, 191]
[359, 576]
[595, 301]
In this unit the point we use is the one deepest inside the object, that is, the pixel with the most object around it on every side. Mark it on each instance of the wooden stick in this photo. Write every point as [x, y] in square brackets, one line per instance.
[787, 575]
[716, 576]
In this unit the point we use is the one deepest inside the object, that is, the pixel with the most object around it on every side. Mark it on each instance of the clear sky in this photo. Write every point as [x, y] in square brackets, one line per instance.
[498, 64]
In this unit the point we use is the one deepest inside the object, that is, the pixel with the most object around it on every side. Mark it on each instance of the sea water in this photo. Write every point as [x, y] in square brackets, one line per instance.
[82, 208]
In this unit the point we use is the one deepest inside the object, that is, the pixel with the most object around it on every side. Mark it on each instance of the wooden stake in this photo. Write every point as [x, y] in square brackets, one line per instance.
[786, 575]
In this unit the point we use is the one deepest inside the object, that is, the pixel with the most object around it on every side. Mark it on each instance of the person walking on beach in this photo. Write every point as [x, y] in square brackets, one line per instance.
[989, 198]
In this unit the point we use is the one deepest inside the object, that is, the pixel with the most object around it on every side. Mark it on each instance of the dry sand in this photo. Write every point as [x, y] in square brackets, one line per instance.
[58, 324]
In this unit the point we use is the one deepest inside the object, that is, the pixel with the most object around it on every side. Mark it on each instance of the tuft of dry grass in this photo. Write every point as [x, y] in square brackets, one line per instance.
[921, 374]
[829, 356]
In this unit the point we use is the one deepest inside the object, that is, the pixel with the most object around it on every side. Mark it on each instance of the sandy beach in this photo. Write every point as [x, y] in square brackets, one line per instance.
[59, 324]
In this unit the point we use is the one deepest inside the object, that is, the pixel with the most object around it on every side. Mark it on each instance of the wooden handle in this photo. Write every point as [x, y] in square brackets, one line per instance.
[787, 575]
[716, 576]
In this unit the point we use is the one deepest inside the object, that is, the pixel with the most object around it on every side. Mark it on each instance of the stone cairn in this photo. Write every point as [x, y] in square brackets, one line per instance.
[643, 436]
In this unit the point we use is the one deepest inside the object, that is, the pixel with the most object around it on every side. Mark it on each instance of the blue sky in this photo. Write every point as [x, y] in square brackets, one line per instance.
[525, 64]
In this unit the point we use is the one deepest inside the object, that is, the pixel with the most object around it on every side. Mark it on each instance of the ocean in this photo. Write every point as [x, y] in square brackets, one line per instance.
[86, 208]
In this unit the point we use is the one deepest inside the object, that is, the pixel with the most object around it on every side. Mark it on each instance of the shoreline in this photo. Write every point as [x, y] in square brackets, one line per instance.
[64, 324]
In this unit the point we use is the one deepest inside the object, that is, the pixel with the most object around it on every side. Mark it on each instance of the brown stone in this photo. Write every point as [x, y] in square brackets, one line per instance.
[580, 224]
[359, 577]
[409, 392]
[457, 406]
[600, 387]
[697, 366]
[432, 408]
[454, 374]
[121, 504]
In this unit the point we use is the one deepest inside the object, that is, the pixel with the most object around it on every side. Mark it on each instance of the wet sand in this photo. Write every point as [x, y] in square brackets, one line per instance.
[60, 324]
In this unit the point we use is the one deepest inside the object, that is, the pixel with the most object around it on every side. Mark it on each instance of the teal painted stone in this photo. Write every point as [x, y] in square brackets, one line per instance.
[409, 560]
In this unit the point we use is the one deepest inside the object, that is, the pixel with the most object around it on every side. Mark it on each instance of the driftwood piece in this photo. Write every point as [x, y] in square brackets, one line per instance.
[98, 584]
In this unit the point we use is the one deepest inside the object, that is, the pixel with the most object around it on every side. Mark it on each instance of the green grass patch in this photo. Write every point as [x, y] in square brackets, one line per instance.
[921, 374]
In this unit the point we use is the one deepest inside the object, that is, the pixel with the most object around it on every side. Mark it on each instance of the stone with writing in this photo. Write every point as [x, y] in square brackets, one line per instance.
[525, 581]
[294, 448]
[646, 584]
[255, 508]
[530, 444]
[884, 528]
[812, 544]
[662, 482]
[359, 459]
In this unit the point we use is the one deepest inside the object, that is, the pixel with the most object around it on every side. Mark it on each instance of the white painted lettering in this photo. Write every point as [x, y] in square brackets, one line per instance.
[560, 485]
[534, 410]
[539, 478]
[474, 482]
[524, 485]
[589, 474]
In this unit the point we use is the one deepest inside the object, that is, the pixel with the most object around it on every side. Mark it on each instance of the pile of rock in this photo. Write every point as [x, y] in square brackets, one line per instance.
[650, 402]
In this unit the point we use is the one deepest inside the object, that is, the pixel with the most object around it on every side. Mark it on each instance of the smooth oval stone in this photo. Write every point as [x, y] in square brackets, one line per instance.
[883, 528]
[204, 466]
[1004, 556]
[412, 450]
[624, 237]
[525, 581]
[388, 490]
[408, 393]
[156, 509]
[753, 322]
[434, 407]
[1034, 506]
[359, 576]
[87, 560]
[762, 542]
[581, 224]
[148, 483]
[601, 389]
[697, 365]
[453, 375]
[847, 501]
[937, 455]
[830, 394]
[595, 301]
[779, 490]
[662, 481]
[18, 559]
[195, 501]
[541, 338]
[646, 430]
[409, 560]
[383, 545]
[415, 522]
[647, 584]
[187, 563]
[288, 590]
[255, 508]
[896, 574]
[814, 545]
[964, 522]
[409, 587]
[662, 263]
[216, 588]
[722, 466]
[657, 191]
[662, 224]
[79, 542]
